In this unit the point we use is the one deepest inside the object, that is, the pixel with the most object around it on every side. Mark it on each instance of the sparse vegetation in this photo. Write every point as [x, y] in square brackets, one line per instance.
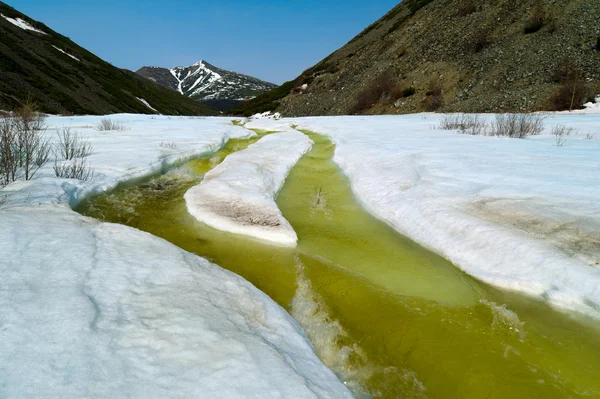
[573, 92]
[382, 89]
[560, 133]
[505, 125]
[75, 169]
[72, 145]
[408, 91]
[481, 40]
[434, 97]
[465, 124]
[24, 148]
[108, 125]
[319, 200]
[467, 7]
[518, 126]
[168, 144]
[537, 19]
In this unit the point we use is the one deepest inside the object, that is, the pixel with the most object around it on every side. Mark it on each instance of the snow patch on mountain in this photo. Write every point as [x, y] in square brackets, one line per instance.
[22, 24]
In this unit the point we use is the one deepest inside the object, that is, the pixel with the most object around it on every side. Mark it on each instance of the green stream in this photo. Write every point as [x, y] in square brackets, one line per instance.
[389, 317]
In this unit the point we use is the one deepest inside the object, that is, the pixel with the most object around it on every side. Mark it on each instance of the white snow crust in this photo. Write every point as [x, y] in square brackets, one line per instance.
[519, 214]
[22, 24]
[239, 194]
[97, 310]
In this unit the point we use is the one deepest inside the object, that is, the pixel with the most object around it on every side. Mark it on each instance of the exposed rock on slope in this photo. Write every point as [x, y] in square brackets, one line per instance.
[455, 55]
[39, 64]
[208, 84]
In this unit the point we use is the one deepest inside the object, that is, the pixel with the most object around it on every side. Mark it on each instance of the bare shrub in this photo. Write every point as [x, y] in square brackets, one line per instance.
[560, 133]
[590, 136]
[481, 40]
[108, 124]
[381, 89]
[434, 98]
[319, 200]
[72, 145]
[24, 148]
[573, 92]
[465, 124]
[168, 144]
[517, 126]
[467, 7]
[537, 18]
[75, 169]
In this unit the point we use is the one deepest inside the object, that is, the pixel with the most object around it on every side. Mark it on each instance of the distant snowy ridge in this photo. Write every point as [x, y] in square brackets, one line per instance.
[519, 214]
[94, 310]
[239, 194]
[203, 81]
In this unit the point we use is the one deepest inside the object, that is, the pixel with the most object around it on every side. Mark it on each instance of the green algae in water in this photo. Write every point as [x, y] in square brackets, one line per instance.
[391, 318]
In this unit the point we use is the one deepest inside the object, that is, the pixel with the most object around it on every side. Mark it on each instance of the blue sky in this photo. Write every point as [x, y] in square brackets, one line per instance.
[272, 40]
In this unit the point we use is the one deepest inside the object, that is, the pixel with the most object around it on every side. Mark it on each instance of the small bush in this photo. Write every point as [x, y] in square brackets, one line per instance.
[517, 126]
[168, 144]
[481, 40]
[597, 43]
[108, 124]
[573, 92]
[434, 98]
[383, 88]
[536, 21]
[24, 148]
[560, 132]
[409, 91]
[467, 7]
[465, 124]
[76, 169]
[72, 145]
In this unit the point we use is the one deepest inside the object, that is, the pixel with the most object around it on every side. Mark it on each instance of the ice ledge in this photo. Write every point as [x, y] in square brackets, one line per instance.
[238, 196]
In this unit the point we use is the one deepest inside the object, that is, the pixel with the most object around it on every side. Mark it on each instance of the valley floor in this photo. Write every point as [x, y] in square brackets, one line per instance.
[93, 309]
[521, 214]
[90, 309]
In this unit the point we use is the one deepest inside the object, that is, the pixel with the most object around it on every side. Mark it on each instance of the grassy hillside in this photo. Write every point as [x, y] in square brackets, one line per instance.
[34, 66]
[456, 55]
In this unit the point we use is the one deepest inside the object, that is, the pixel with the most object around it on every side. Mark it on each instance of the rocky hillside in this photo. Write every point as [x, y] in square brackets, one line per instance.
[208, 84]
[40, 65]
[455, 55]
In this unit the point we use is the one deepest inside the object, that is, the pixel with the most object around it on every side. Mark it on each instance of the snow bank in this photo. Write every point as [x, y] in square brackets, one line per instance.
[239, 195]
[520, 214]
[92, 309]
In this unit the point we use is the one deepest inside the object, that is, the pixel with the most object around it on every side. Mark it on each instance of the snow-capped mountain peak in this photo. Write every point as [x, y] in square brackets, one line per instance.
[205, 82]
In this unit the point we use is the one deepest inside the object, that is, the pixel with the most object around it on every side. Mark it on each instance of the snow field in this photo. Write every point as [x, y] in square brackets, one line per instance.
[239, 194]
[92, 309]
[519, 214]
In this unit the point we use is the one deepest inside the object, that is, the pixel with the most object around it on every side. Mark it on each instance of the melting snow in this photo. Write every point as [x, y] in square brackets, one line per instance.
[239, 195]
[22, 24]
[519, 214]
[92, 309]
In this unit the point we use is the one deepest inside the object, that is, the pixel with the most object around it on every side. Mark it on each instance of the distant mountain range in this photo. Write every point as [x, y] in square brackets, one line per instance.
[454, 56]
[208, 84]
[39, 64]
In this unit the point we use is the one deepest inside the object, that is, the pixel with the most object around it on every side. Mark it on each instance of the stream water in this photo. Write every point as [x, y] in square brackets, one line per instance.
[389, 317]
